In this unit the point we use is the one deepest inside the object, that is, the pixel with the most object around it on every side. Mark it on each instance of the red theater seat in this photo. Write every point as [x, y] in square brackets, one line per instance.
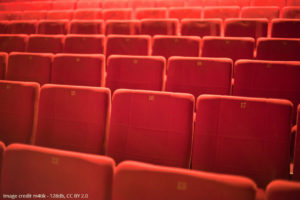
[116, 4]
[168, 46]
[18, 105]
[240, 3]
[46, 170]
[296, 175]
[154, 127]
[141, 4]
[90, 44]
[33, 67]
[221, 12]
[268, 12]
[123, 27]
[185, 12]
[78, 69]
[228, 47]
[292, 3]
[201, 27]
[283, 190]
[128, 45]
[33, 15]
[73, 118]
[59, 14]
[2, 149]
[278, 49]
[270, 79]
[291, 12]
[286, 28]
[4, 25]
[63, 5]
[88, 14]
[83, 4]
[86, 27]
[45, 43]
[240, 135]
[169, 3]
[22, 27]
[3, 64]
[152, 13]
[134, 180]
[159, 26]
[53, 26]
[117, 13]
[40, 5]
[9, 15]
[13, 42]
[199, 75]
[279, 3]
[135, 72]
[254, 28]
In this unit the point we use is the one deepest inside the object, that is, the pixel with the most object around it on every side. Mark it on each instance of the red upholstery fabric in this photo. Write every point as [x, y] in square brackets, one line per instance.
[83, 4]
[84, 44]
[63, 5]
[135, 181]
[22, 27]
[168, 46]
[59, 14]
[45, 43]
[78, 69]
[228, 47]
[292, 3]
[4, 24]
[53, 27]
[33, 15]
[279, 3]
[222, 12]
[128, 45]
[40, 5]
[88, 14]
[283, 190]
[18, 104]
[73, 118]
[116, 4]
[152, 13]
[154, 127]
[296, 175]
[286, 28]
[86, 27]
[3, 64]
[185, 12]
[169, 3]
[291, 12]
[244, 136]
[284, 49]
[135, 72]
[254, 28]
[13, 42]
[159, 26]
[201, 27]
[34, 67]
[10, 15]
[120, 13]
[46, 170]
[125, 27]
[199, 75]
[268, 12]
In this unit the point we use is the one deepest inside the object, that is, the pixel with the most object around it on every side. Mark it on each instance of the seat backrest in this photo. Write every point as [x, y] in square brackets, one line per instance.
[3, 64]
[143, 13]
[86, 27]
[123, 27]
[84, 44]
[268, 12]
[291, 12]
[53, 27]
[59, 14]
[45, 43]
[22, 27]
[222, 12]
[185, 12]
[296, 175]
[281, 190]
[88, 14]
[285, 28]
[201, 27]
[117, 13]
[159, 26]
[13, 42]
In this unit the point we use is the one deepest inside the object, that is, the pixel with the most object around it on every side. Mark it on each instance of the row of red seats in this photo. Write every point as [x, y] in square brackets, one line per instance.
[233, 135]
[128, 181]
[284, 49]
[284, 28]
[74, 4]
[142, 13]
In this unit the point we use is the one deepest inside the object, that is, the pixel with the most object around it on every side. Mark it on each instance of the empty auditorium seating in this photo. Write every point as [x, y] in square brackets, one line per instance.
[59, 14]
[4, 26]
[282, 190]
[228, 47]
[18, 105]
[296, 175]
[46, 170]
[78, 69]
[278, 49]
[88, 14]
[126, 27]
[135, 72]
[120, 13]
[152, 13]
[134, 180]
[115, 4]
[84, 44]
[6, 15]
[141, 4]
[201, 27]
[268, 12]
[292, 3]
[33, 67]
[45, 43]
[83, 4]
[53, 27]
[286, 28]
[3, 63]
[40, 5]
[13, 42]
[33, 15]
[154, 127]
[73, 118]
[271, 79]
[254, 28]
[169, 3]
[63, 5]
[128, 45]
[22, 27]
[185, 12]
[240, 135]
[291, 12]
[86, 27]
[279, 3]
[159, 26]
[221, 12]
[168, 46]
[224, 2]
[199, 75]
